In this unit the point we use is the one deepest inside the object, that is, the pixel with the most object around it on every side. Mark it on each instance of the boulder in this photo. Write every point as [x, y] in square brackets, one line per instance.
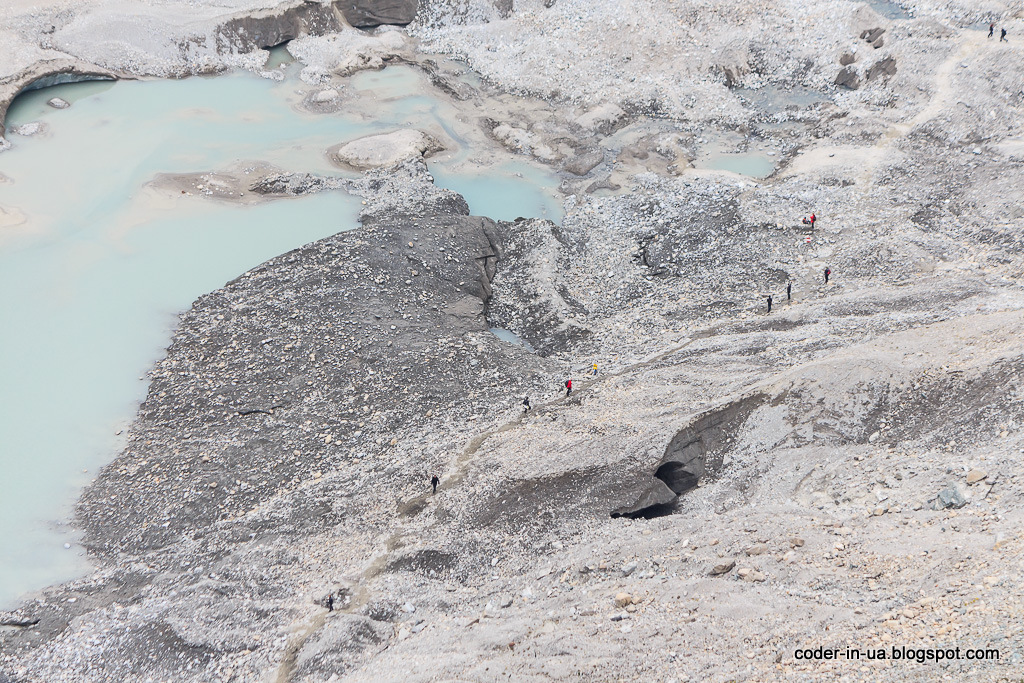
[974, 476]
[657, 497]
[750, 574]
[872, 34]
[58, 103]
[950, 497]
[370, 13]
[848, 79]
[884, 67]
[847, 59]
[723, 568]
[388, 149]
[584, 163]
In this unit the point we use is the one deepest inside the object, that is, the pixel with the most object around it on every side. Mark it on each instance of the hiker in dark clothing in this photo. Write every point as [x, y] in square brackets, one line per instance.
[769, 303]
[1002, 36]
[789, 291]
[526, 404]
[991, 29]
[330, 602]
[434, 481]
[568, 387]
[828, 271]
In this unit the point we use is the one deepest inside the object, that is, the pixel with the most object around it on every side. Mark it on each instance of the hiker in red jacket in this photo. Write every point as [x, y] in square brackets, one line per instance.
[568, 387]
[828, 271]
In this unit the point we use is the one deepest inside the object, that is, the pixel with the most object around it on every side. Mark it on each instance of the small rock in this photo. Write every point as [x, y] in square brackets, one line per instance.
[796, 542]
[623, 599]
[757, 549]
[749, 574]
[506, 601]
[723, 568]
[58, 103]
[974, 476]
[629, 568]
[409, 607]
[950, 497]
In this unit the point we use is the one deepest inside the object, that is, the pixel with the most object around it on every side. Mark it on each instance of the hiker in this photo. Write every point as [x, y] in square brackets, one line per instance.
[810, 221]
[526, 404]
[595, 369]
[330, 602]
[434, 481]
[789, 291]
[568, 387]
[828, 271]
[1002, 36]
[769, 303]
[991, 29]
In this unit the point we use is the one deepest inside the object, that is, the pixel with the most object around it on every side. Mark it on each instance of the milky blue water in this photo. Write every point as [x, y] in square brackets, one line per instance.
[95, 265]
[753, 165]
[890, 10]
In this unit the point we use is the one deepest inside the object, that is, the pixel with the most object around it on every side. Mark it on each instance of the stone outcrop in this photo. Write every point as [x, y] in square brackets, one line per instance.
[370, 13]
[388, 149]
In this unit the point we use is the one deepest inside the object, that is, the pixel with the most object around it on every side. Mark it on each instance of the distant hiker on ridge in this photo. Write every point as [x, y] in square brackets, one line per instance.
[434, 481]
[828, 271]
[1002, 37]
[568, 387]
[330, 602]
[810, 221]
[526, 404]
[595, 369]
[991, 29]
[789, 291]
[769, 303]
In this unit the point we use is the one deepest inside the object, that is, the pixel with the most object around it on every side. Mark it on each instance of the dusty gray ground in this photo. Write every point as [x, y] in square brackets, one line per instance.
[858, 448]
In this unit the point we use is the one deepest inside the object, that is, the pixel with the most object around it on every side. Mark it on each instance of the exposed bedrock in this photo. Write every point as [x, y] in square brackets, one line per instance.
[370, 13]
[272, 27]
